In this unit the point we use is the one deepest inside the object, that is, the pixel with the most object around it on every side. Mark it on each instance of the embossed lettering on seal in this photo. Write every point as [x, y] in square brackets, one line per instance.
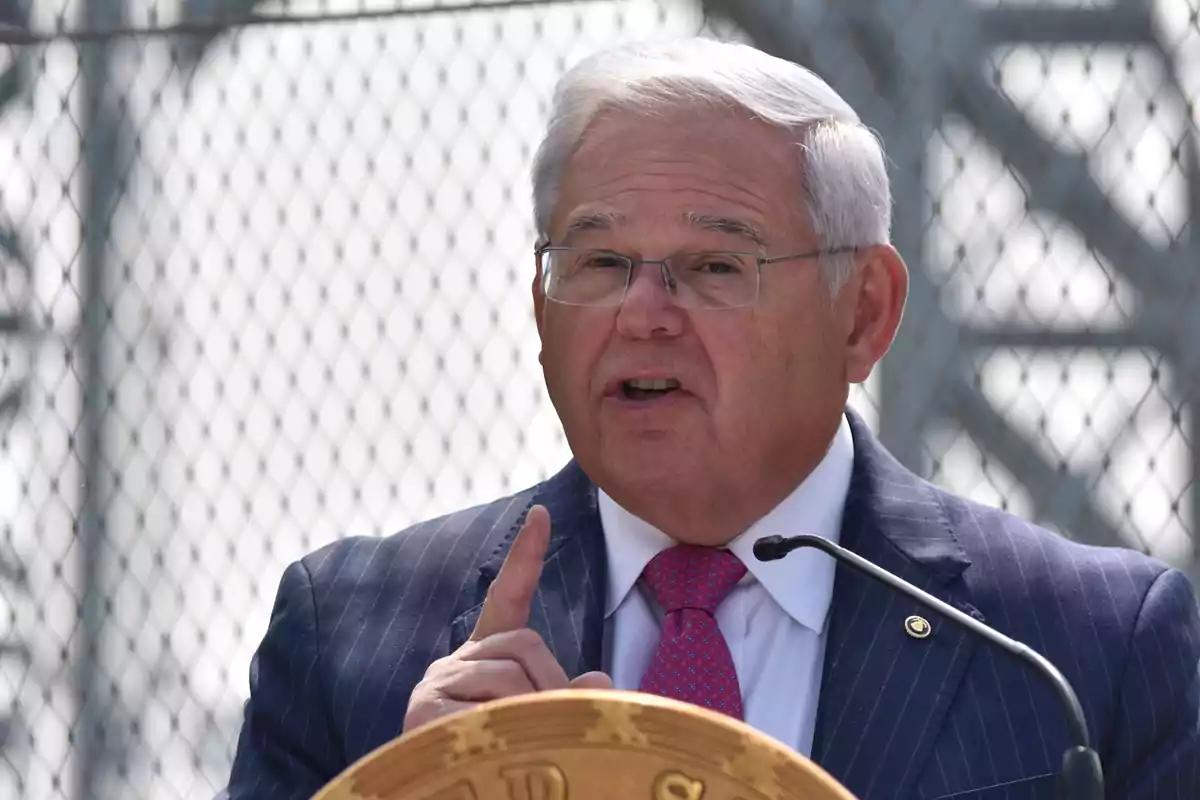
[463, 790]
[539, 781]
[677, 786]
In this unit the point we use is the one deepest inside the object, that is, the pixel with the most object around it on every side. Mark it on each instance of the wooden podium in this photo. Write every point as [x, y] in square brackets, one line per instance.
[584, 745]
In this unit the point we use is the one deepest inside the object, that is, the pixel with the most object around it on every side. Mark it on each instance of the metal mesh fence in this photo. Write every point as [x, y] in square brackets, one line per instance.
[266, 283]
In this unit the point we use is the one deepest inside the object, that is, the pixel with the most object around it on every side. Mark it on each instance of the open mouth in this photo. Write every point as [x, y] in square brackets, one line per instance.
[648, 388]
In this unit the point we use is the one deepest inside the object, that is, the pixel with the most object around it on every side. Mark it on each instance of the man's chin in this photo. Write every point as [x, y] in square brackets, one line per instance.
[652, 455]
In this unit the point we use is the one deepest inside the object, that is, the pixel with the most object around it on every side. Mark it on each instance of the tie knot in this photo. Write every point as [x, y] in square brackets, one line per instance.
[686, 576]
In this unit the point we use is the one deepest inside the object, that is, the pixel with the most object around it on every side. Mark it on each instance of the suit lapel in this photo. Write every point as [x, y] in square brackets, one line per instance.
[885, 693]
[568, 607]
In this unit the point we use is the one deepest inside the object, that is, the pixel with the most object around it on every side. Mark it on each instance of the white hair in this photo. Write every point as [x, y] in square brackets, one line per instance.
[845, 183]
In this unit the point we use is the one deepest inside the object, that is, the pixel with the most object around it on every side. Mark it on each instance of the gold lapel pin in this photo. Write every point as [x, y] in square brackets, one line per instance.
[917, 627]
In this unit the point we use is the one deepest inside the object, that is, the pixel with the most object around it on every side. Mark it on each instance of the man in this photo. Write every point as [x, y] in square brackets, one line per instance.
[713, 273]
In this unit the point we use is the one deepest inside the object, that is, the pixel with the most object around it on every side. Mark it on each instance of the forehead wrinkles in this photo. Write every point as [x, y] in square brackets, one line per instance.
[640, 186]
[753, 154]
[600, 176]
[717, 137]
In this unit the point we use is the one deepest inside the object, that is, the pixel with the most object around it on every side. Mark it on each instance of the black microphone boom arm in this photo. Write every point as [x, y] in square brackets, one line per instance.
[1081, 777]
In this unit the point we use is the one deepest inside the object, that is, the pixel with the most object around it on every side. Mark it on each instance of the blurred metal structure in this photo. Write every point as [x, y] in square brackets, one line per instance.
[15, 276]
[265, 281]
[908, 65]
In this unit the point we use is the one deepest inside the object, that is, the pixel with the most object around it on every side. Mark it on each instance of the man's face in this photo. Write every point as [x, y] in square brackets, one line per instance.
[760, 388]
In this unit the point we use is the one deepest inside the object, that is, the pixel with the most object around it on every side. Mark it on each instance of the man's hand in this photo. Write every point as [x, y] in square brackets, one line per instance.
[502, 657]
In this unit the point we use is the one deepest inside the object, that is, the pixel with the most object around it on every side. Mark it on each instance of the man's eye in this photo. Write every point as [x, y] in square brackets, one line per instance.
[717, 266]
[601, 261]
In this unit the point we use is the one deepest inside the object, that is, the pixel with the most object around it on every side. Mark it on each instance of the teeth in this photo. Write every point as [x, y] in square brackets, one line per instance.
[653, 384]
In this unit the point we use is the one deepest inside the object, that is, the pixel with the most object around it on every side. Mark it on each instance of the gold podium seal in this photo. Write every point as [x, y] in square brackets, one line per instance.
[584, 745]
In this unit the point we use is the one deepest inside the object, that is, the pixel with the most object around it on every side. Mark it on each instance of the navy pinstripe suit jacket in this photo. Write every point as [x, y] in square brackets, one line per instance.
[356, 623]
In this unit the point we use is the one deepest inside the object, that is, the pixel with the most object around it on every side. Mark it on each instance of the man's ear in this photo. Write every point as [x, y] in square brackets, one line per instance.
[539, 307]
[539, 300]
[878, 293]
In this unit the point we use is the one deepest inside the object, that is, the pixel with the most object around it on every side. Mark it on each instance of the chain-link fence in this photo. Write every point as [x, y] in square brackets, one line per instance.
[265, 284]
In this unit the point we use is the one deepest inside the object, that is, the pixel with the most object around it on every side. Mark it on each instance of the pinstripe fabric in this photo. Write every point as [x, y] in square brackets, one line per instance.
[356, 624]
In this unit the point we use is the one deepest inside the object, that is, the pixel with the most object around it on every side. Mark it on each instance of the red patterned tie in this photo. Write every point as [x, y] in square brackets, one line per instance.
[692, 662]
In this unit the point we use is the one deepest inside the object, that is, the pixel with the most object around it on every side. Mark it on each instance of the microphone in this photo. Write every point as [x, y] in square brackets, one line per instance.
[1081, 777]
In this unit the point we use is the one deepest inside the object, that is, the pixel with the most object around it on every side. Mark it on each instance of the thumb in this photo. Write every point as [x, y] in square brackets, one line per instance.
[592, 680]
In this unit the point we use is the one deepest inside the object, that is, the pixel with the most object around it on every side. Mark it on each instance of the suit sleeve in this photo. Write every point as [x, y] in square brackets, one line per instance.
[287, 748]
[1156, 750]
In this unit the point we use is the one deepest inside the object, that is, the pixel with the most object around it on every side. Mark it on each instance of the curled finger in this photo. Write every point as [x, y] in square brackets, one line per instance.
[490, 679]
[526, 648]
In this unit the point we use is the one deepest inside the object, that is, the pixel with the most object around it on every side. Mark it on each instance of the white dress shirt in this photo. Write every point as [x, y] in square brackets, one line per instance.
[773, 620]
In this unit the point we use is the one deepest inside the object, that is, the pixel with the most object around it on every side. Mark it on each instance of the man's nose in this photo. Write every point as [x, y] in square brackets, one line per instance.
[649, 309]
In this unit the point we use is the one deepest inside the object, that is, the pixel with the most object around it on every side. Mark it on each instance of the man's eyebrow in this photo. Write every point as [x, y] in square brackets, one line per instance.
[597, 221]
[729, 225]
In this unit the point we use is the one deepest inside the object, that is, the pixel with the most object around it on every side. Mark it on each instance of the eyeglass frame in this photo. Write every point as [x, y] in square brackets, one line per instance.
[665, 271]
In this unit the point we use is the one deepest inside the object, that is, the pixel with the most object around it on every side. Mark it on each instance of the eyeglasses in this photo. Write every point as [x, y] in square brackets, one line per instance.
[711, 280]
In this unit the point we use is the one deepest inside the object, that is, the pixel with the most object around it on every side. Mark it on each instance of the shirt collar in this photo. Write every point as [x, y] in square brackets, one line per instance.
[801, 584]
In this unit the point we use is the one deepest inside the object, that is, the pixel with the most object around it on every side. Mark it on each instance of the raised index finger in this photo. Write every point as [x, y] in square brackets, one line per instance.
[506, 607]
